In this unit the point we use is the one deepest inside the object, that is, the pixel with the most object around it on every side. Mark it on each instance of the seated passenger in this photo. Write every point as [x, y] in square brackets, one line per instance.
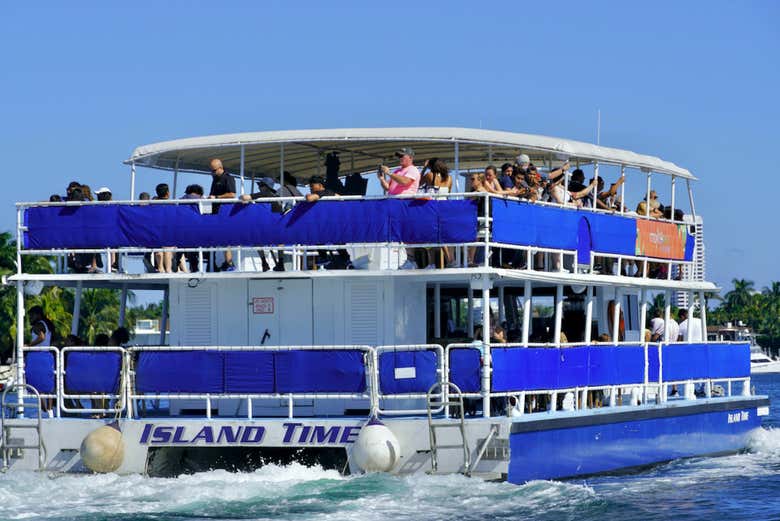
[193, 192]
[641, 210]
[327, 260]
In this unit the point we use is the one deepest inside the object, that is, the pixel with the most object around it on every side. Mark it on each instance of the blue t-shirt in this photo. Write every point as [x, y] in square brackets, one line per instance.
[506, 182]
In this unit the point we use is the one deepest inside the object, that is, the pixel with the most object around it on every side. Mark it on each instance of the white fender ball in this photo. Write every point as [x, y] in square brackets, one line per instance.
[376, 448]
[103, 450]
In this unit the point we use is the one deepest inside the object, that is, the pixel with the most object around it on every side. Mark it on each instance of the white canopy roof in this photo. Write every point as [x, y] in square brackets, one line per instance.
[362, 149]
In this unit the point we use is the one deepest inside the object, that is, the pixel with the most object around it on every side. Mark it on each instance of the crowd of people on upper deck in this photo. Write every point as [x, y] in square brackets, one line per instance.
[520, 179]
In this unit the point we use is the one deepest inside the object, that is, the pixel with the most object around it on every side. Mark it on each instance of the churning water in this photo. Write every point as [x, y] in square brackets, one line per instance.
[741, 486]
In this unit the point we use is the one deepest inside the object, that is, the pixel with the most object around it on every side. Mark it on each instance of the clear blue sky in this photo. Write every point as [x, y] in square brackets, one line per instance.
[695, 83]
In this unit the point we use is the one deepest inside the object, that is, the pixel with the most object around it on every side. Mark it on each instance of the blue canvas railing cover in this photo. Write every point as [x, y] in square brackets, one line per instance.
[526, 224]
[251, 372]
[407, 372]
[39, 371]
[92, 372]
[325, 222]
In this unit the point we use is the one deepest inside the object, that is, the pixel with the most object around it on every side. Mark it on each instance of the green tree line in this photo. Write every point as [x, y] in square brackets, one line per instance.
[99, 311]
[760, 310]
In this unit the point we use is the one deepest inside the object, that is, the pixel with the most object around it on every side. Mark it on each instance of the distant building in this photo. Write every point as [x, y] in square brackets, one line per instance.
[696, 271]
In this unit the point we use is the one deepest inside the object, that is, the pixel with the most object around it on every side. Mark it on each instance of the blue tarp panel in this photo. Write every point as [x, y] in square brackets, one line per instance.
[629, 363]
[729, 361]
[465, 366]
[527, 224]
[524, 368]
[572, 366]
[423, 377]
[653, 365]
[39, 370]
[311, 371]
[92, 372]
[684, 361]
[249, 372]
[180, 372]
[324, 222]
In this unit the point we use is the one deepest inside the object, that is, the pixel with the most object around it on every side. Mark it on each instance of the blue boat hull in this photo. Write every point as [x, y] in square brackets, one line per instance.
[602, 441]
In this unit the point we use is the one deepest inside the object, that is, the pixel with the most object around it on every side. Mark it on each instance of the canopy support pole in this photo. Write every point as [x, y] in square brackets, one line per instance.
[175, 177]
[616, 318]
[690, 199]
[642, 314]
[486, 352]
[623, 190]
[674, 185]
[132, 180]
[526, 312]
[647, 197]
[457, 166]
[74, 323]
[437, 310]
[164, 316]
[558, 314]
[667, 315]
[703, 307]
[595, 191]
[281, 166]
[470, 316]
[20, 348]
[123, 306]
[501, 308]
[588, 314]
[241, 169]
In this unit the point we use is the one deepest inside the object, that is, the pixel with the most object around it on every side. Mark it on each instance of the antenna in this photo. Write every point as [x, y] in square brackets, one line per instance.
[598, 127]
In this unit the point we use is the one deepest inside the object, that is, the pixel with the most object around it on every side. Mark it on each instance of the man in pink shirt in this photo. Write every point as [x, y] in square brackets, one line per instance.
[403, 180]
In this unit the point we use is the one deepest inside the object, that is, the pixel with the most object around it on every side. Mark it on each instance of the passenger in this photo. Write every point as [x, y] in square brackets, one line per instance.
[55, 198]
[87, 192]
[104, 194]
[119, 337]
[223, 186]
[493, 185]
[507, 178]
[690, 328]
[193, 192]
[69, 189]
[478, 185]
[575, 195]
[439, 181]
[522, 163]
[608, 200]
[42, 328]
[658, 327]
[144, 196]
[641, 211]
[164, 259]
[101, 340]
[404, 180]
[317, 191]
[289, 189]
[75, 194]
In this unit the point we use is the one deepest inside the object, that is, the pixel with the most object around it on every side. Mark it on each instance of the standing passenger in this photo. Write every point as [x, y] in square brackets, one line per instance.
[402, 181]
[223, 186]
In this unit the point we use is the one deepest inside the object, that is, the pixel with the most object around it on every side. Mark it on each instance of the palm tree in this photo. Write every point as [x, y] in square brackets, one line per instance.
[740, 296]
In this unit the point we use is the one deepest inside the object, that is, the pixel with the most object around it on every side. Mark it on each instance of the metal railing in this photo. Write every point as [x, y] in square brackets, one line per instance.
[642, 391]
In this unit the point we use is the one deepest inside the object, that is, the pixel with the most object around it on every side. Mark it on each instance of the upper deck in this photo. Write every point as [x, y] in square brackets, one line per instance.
[481, 231]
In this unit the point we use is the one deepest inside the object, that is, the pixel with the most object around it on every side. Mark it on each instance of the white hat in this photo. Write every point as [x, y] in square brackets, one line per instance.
[103, 190]
[523, 159]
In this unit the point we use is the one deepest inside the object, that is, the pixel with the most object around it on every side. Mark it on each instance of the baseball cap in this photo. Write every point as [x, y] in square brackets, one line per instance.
[406, 151]
[103, 190]
[523, 159]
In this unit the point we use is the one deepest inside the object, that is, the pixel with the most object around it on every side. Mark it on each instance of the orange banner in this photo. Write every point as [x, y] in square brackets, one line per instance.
[660, 239]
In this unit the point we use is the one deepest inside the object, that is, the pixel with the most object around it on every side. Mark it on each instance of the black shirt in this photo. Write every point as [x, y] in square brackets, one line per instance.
[222, 184]
[325, 193]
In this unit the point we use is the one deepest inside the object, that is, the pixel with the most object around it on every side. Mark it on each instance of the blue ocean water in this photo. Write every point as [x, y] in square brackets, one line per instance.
[740, 486]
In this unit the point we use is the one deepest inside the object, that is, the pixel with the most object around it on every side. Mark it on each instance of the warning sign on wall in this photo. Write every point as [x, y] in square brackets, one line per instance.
[263, 305]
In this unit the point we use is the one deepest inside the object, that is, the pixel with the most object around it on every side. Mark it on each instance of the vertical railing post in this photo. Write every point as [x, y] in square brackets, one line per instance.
[642, 314]
[281, 165]
[123, 305]
[558, 314]
[526, 312]
[588, 314]
[486, 228]
[164, 315]
[486, 349]
[437, 310]
[457, 167]
[703, 306]
[595, 192]
[20, 348]
[470, 316]
[623, 190]
[132, 180]
[647, 197]
[241, 169]
[175, 177]
[616, 318]
[74, 323]
[674, 185]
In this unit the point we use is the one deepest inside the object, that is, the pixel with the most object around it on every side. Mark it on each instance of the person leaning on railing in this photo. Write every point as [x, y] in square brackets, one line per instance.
[436, 180]
[326, 260]
[402, 181]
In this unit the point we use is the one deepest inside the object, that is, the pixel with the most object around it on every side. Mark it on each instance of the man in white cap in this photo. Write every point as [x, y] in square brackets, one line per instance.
[103, 194]
[523, 162]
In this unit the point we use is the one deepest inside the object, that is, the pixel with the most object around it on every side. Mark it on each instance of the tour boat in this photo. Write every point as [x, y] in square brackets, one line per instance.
[377, 369]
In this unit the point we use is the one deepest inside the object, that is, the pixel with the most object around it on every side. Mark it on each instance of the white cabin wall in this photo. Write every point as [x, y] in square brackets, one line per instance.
[410, 312]
[232, 311]
[328, 298]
